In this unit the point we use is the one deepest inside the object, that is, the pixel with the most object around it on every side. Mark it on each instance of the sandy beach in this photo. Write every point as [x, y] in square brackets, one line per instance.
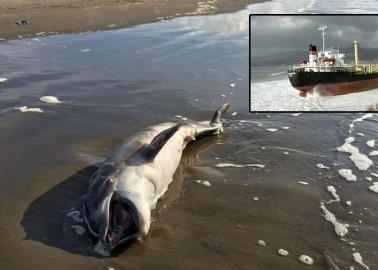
[57, 16]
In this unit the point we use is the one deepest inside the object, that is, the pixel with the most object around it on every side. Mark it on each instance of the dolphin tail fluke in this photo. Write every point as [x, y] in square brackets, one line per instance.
[217, 117]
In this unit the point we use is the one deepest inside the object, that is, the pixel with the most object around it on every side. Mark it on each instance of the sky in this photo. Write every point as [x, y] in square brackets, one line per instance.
[271, 34]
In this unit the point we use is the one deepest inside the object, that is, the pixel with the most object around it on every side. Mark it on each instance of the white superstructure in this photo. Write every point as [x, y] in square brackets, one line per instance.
[325, 60]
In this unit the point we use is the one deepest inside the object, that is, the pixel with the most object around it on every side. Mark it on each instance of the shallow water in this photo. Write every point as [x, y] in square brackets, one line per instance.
[148, 74]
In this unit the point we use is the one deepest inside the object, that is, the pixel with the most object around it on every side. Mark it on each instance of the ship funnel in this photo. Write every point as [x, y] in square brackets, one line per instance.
[356, 60]
[313, 55]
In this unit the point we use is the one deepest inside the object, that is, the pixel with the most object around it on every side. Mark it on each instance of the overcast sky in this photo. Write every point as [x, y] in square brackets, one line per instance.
[271, 34]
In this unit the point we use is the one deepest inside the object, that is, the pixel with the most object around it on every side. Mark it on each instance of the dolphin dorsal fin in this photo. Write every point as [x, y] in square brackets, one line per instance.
[159, 141]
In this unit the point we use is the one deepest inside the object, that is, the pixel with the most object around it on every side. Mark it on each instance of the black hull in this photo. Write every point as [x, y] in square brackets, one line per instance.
[333, 83]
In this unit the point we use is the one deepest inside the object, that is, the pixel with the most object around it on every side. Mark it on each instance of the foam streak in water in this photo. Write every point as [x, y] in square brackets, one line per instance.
[340, 229]
[361, 161]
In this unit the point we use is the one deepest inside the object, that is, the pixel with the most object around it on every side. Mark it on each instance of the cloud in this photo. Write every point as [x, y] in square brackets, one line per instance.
[286, 33]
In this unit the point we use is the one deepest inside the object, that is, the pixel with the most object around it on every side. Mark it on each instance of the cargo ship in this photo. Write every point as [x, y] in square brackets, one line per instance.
[328, 74]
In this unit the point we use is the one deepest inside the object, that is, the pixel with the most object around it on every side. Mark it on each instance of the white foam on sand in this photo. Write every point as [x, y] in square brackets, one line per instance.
[358, 259]
[272, 129]
[101, 249]
[374, 187]
[261, 242]
[283, 252]
[370, 143]
[234, 113]
[3, 79]
[78, 229]
[76, 216]
[332, 190]
[368, 178]
[26, 109]
[50, 99]
[374, 174]
[321, 166]
[303, 183]
[347, 174]
[349, 203]
[232, 85]
[360, 134]
[205, 183]
[285, 128]
[361, 161]
[373, 153]
[228, 165]
[86, 50]
[306, 259]
[296, 114]
[340, 229]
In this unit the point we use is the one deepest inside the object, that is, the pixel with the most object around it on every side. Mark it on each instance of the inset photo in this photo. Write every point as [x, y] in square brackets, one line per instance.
[324, 63]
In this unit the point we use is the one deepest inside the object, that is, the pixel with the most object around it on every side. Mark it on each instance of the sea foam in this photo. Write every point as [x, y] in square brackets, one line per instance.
[361, 161]
[26, 109]
[50, 99]
[347, 174]
[228, 165]
[340, 229]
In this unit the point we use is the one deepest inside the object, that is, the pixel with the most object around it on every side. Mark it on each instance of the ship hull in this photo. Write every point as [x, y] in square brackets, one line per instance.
[332, 83]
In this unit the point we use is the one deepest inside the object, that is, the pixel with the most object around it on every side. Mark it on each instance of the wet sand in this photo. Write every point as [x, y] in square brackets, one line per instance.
[66, 16]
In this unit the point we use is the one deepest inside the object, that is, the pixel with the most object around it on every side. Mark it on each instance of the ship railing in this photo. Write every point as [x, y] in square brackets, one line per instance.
[366, 68]
[319, 68]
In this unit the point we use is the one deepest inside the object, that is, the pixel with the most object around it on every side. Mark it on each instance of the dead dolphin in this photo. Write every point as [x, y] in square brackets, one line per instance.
[128, 184]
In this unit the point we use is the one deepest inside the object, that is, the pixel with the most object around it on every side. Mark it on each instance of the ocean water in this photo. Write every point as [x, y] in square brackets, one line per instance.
[271, 91]
[269, 175]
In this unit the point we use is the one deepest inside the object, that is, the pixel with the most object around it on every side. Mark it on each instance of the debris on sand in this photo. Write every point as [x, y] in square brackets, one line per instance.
[23, 22]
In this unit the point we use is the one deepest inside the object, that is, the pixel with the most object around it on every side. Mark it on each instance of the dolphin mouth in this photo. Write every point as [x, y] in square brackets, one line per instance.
[112, 243]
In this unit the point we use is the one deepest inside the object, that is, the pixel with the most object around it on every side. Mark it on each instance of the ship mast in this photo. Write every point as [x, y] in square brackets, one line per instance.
[323, 28]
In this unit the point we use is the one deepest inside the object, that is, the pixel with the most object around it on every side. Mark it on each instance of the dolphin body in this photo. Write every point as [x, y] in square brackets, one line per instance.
[128, 184]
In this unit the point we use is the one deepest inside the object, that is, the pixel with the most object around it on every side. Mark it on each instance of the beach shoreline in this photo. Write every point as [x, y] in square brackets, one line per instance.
[72, 16]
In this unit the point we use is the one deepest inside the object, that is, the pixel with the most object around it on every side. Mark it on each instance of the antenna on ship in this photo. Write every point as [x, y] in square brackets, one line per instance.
[323, 28]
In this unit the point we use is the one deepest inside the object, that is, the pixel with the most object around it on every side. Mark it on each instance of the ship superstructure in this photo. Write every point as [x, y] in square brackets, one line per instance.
[327, 70]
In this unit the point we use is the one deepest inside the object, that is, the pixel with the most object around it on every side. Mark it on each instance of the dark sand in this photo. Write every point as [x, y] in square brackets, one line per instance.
[57, 16]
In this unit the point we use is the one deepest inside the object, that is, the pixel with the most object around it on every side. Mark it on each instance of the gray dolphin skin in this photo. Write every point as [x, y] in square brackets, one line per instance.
[128, 184]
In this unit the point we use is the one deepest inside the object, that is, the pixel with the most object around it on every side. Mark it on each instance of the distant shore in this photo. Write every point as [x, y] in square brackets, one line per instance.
[67, 16]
